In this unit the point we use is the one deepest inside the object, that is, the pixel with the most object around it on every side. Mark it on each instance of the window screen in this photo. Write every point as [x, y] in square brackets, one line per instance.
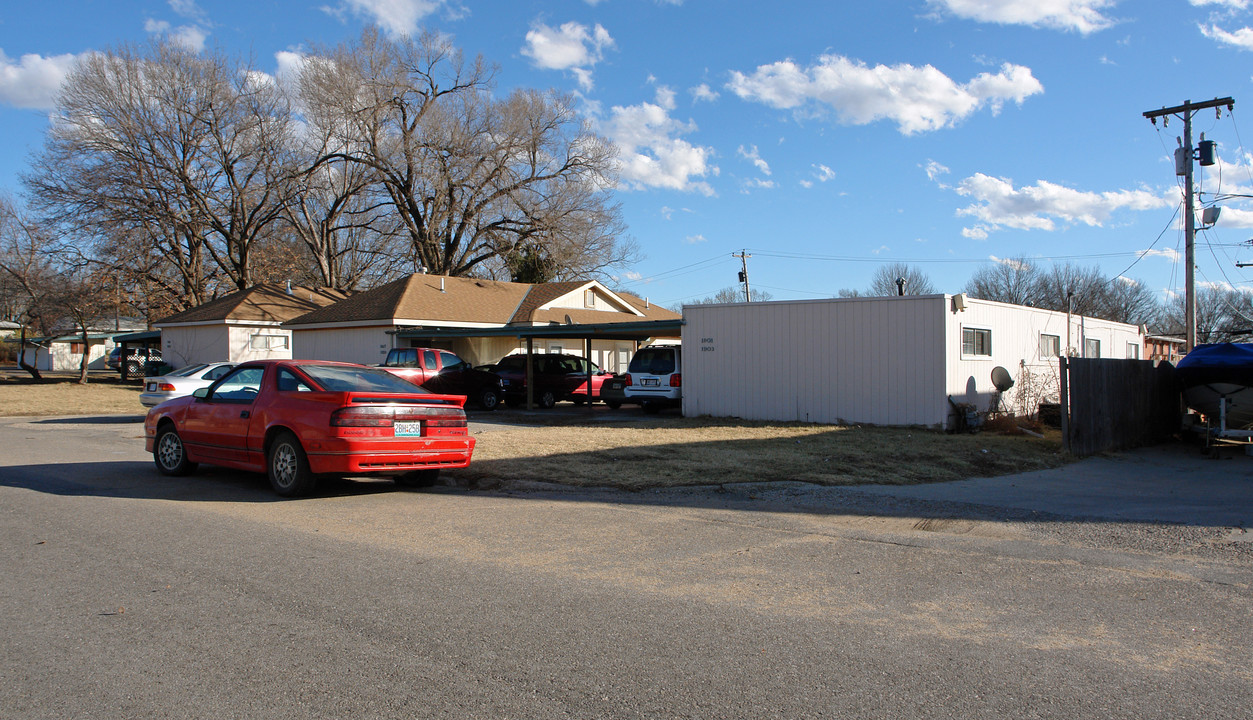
[976, 341]
[1050, 345]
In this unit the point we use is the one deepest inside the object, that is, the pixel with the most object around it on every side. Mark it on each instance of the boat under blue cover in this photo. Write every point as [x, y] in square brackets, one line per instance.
[1213, 374]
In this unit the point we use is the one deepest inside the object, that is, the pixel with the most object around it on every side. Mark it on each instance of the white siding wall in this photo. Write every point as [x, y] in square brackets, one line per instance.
[182, 346]
[366, 345]
[1016, 334]
[869, 360]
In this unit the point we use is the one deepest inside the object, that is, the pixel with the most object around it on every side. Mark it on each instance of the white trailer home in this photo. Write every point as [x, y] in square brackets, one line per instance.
[881, 360]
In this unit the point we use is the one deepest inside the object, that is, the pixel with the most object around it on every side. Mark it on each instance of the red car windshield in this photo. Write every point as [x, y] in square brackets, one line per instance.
[340, 378]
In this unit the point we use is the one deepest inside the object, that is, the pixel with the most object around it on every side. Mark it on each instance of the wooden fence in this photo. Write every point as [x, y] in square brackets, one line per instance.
[1117, 404]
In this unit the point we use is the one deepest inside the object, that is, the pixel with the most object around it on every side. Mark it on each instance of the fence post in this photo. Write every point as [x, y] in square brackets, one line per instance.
[1064, 394]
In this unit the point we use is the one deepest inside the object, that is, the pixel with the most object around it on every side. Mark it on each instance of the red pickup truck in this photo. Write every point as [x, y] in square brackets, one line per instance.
[442, 372]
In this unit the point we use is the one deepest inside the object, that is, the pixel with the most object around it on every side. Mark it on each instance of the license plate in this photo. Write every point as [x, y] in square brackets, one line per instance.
[651, 382]
[407, 429]
[152, 387]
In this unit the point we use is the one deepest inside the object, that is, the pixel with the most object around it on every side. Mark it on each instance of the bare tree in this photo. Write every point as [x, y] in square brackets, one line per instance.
[733, 294]
[1012, 280]
[884, 280]
[1061, 285]
[26, 263]
[1222, 315]
[475, 180]
[185, 157]
[1129, 301]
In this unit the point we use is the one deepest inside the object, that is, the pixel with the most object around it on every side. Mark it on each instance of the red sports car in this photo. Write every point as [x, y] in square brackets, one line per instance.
[297, 419]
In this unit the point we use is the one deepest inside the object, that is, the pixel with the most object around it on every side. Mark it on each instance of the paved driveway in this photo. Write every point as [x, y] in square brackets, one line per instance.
[1171, 483]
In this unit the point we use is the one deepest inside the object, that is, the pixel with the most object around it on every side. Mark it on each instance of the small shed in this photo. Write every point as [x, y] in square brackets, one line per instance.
[881, 360]
[245, 325]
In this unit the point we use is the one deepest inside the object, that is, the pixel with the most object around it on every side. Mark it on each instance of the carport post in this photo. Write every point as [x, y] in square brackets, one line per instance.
[587, 353]
[1064, 396]
[122, 354]
[530, 376]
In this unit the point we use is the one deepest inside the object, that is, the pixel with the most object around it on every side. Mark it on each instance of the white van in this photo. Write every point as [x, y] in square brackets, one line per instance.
[654, 378]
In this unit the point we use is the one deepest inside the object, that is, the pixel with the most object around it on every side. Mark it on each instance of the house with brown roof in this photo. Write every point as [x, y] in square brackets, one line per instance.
[364, 327]
[245, 325]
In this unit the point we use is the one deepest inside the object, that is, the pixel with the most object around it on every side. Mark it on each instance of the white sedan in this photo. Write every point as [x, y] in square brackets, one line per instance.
[183, 381]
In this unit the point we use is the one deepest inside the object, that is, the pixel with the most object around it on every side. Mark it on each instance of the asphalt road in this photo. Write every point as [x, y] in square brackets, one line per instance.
[129, 595]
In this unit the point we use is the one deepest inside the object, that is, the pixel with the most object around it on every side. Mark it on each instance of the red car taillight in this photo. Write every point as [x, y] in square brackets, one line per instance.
[627, 378]
[676, 380]
[435, 420]
[165, 387]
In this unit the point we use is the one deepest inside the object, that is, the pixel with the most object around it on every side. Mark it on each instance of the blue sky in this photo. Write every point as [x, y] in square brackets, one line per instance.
[824, 141]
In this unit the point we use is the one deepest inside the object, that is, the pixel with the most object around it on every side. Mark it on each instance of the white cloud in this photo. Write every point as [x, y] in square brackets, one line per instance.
[1234, 217]
[694, 239]
[823, 173]
[998, 204]
[192, 37]
[704, 93]
[1010, 262]
[395, 17]
[1230, 4]
[188, 9]
[1082, 16]
[572, 47]
[934, 170]
[977, 232]
[1242, 38]
[917, 99]
[756, 184]
[1169, 253]
[651, 155]
[753, 157]
[33, 81]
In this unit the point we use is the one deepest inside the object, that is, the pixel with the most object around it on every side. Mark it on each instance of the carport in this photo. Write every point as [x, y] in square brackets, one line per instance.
[145, 339]
[634, 331]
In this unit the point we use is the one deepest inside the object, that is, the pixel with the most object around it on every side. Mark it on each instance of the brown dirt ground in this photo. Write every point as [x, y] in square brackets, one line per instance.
[661, 452]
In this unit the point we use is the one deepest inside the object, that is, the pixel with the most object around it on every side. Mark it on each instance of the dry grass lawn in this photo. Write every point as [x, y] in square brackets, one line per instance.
[657, 452]
[60, 394]
[700, 451]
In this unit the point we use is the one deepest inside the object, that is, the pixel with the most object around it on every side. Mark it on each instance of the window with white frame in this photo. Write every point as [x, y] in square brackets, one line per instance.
[1050, 345]
[1133, 351]
[976, 341]
[269, 342]
[1091, 348]
[589, 298]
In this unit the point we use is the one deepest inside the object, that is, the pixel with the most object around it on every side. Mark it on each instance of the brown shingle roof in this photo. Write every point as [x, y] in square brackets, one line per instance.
[259, 303]
[468, 300]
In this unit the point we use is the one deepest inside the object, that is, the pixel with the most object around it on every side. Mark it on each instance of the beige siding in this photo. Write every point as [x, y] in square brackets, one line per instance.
[872, 360]
[365, 345]
[181, 346]
[271, 343]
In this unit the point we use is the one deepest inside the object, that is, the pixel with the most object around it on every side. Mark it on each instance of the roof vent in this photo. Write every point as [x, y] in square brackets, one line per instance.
[441, 284]
[289, 287]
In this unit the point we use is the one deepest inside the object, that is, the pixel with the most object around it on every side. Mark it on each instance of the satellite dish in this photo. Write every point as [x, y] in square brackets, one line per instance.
[1001, 379]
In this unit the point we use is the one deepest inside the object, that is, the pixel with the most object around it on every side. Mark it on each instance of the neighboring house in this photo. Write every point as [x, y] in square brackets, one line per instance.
[365, 326]
[245, 325]
[881, 360]
[64, 350]
[1160, 347]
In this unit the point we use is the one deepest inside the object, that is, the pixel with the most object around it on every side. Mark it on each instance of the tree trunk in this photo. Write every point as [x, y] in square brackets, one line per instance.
[82, 365]
[21, 358]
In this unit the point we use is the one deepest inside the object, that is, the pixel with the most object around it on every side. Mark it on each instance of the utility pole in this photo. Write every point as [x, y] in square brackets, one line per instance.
[743, 256]
[1184, 157]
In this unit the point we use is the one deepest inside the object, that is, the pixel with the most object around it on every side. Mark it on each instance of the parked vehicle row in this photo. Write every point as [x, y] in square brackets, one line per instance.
[136, 358]
[441, 371]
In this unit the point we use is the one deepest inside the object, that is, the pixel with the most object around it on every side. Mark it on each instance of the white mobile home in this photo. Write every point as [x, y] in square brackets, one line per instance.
[882, 360]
